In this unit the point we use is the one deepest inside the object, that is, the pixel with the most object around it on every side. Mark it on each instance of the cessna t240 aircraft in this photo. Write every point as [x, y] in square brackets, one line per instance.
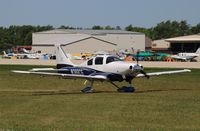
[99, 68]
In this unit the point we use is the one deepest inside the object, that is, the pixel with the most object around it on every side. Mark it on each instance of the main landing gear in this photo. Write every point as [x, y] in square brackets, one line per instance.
[88, 89]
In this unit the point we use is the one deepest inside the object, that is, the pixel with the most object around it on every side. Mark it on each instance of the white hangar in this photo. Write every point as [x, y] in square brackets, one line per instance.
[87, 41]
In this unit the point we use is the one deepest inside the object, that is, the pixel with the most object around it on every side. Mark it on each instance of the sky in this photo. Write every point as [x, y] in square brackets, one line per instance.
[87, 13]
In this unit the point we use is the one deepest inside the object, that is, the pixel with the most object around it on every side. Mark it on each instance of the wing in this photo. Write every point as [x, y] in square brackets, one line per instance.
[42, 69]
[163, 73]
[70, 76]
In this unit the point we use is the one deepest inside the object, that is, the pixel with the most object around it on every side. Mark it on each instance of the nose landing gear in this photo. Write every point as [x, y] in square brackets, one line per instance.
[126, 89]
[129, 88]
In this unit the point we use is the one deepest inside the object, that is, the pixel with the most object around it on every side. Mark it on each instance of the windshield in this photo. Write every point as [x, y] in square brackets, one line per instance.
[111, 59]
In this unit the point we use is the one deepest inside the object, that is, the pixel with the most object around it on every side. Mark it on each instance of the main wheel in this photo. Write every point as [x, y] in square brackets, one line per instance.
[87, 90]
[126, 89]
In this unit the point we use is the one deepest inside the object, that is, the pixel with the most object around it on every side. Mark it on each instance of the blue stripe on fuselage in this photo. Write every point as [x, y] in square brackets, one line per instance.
[78, 70]
[91, 72]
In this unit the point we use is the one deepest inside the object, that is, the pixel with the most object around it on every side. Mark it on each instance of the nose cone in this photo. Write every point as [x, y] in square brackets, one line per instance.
[137, 67]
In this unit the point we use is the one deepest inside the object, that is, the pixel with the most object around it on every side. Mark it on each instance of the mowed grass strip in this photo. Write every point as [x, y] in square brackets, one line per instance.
[31, 102]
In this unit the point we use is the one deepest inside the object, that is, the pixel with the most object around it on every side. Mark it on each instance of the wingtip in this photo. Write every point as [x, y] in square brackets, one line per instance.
[187, 70]
[23, 72]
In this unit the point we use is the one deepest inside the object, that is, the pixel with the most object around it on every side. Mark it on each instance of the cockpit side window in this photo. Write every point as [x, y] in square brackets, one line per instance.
[111, 59]
[90, 62]
[98, 60]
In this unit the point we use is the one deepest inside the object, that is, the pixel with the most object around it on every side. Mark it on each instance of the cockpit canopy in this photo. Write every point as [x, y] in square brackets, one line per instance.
[100, 60]
[112, 59]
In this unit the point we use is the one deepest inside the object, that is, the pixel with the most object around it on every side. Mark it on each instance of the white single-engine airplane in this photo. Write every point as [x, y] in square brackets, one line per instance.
[21, 55]
[99, 68]
[187, 56]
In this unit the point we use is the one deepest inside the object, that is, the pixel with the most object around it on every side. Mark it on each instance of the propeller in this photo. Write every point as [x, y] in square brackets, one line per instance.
[141, 71]
[137, 56]
[145, 74]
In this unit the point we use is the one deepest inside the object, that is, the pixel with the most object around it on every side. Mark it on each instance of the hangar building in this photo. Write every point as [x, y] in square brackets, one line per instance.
[87, 41]
[188, 43]
[160, 45]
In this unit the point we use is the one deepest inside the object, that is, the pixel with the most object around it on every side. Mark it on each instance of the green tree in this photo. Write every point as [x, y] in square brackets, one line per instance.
[184, 28]
[167, 29]
[138, 29]
[129, 28]
[118, 28]
[195, 29]
[109, 28]
[97, 27]
[65, 27]
[19, 35]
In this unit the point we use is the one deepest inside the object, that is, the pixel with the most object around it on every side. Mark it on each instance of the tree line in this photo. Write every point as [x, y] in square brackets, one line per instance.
[19, 35]
[22, 35]
[167, 29]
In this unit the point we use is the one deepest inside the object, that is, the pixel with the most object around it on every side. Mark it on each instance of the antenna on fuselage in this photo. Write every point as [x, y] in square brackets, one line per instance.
[137, 56]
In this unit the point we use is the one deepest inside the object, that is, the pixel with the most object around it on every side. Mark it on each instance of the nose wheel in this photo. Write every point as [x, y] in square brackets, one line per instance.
[126, 89]
[129, 88]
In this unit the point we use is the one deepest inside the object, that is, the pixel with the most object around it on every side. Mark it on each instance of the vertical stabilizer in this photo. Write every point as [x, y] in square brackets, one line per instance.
[62, 59]
[25, 51]
[198, 51]
[4, 53]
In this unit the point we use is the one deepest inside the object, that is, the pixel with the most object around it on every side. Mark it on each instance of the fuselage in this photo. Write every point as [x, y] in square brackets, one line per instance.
[185, 56]
[107, 66]
[104, 64]
[188, 55]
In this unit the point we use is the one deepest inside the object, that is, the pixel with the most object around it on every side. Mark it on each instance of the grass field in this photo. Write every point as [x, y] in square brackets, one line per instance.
[29, 102]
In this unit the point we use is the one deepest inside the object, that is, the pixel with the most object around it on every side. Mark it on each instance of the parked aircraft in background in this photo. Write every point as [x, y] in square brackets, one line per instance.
[9, 55]
[186, 56]
[26, 51]
[99, 68]
[21, 55]
[151, 56]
